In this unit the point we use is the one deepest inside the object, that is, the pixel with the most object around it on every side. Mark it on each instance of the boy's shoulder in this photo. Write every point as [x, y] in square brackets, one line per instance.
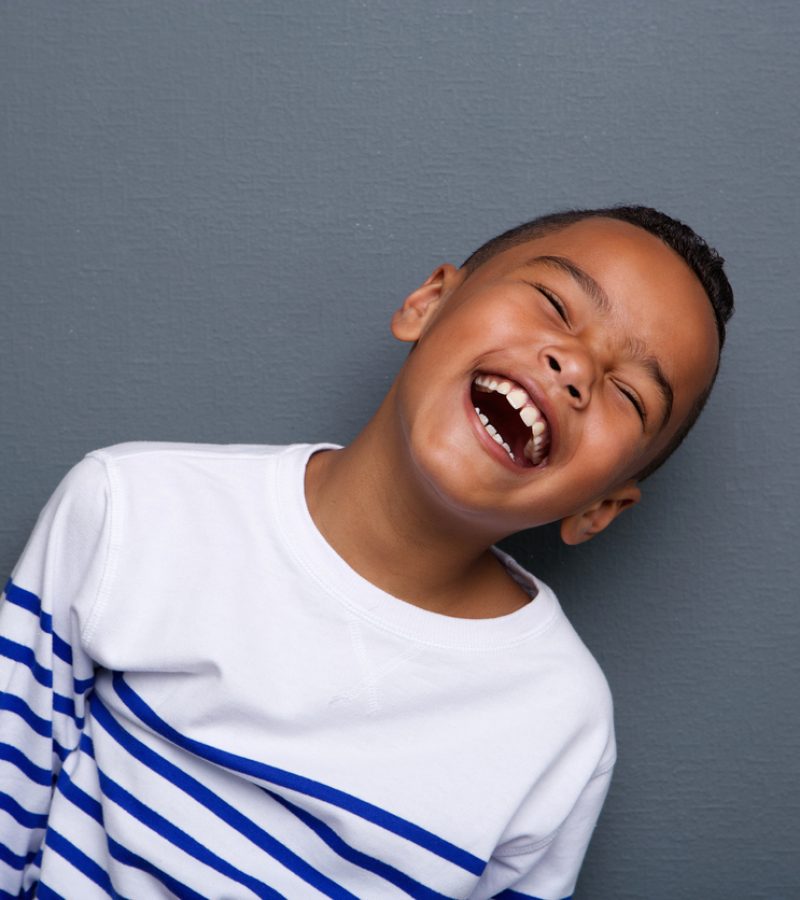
[554, 657]
[166, 450]
[171, 462]
[582, 681]
[156, 474]
[160, 463]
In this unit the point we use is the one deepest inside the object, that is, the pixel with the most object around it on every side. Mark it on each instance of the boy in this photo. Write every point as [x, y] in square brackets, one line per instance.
[305, 671]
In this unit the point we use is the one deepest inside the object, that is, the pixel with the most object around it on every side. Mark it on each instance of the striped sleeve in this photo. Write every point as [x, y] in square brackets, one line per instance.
[548, 869]
[45, 674]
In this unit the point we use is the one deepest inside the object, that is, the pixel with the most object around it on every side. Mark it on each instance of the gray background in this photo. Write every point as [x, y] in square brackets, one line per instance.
[209, 211]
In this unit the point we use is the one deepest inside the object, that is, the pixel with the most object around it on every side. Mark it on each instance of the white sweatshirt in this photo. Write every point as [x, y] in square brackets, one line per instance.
[231, 711]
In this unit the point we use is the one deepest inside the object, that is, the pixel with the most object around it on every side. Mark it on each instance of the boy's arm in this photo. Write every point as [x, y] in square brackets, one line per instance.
[547, 870]
[45, 674]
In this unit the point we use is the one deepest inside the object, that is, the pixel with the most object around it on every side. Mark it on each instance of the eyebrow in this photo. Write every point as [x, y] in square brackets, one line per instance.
[590, 287]
[600, 299]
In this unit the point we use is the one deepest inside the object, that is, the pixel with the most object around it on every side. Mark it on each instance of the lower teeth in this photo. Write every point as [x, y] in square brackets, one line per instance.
[534, 452]
[493, 433]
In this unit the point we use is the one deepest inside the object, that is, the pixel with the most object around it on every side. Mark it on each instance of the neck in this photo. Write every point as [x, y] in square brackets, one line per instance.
[371, 508]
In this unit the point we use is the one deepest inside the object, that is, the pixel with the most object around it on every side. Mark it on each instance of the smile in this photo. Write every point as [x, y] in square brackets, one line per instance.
[511, 419]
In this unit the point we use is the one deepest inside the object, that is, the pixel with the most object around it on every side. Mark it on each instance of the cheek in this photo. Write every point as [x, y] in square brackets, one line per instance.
[611, 446]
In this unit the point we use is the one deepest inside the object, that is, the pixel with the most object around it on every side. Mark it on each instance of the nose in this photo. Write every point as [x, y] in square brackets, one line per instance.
[573, 371]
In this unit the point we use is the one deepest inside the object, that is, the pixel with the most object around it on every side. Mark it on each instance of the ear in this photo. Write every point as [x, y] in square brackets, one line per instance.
[420, 306]
[583, 526]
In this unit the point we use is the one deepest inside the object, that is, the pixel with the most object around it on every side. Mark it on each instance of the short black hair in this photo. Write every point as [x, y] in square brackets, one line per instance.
[702, 259]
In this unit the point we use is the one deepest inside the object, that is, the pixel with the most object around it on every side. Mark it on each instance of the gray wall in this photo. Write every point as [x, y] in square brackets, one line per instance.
[209, 211]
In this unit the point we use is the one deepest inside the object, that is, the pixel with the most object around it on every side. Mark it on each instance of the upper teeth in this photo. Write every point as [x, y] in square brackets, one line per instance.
[517, 398]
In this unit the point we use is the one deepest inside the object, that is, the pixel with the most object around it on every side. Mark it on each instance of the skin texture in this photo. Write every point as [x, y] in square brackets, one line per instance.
[423, 481]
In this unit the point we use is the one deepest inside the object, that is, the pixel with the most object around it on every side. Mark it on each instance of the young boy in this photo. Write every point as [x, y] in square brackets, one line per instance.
[304, 671]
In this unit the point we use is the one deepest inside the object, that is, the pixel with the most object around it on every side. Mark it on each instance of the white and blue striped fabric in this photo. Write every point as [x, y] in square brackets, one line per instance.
[199, 698]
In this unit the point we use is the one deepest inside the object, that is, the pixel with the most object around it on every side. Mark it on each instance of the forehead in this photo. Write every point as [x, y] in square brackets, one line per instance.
[655, 298]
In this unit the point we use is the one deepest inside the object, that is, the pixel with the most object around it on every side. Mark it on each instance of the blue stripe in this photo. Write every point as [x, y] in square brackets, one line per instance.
[17, 758]
[82, 685]
[25, 655]
[20, 597]
[45, 893]
[78, 797]
[29, 601]
[87, 746]
[178, 837]
[61, 752]
[22, 895]
[94, 810]
[11, 859]
[129, 858]
[27, 894]
[23, 816]
[508, 894]
[61, 648]
[21, 654]
[83, 863]
[301, 784]
[66, 706]
[211, 801]
[12, 703]
[357, 857]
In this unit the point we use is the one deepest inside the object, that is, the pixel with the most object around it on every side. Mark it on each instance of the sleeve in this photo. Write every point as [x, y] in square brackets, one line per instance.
[46, 675]
[547, 870]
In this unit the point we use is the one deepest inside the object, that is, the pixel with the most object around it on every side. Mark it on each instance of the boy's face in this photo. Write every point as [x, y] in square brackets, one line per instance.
[600, 332]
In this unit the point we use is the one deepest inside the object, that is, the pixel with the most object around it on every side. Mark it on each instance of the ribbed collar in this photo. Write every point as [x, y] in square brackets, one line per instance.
[311, 551]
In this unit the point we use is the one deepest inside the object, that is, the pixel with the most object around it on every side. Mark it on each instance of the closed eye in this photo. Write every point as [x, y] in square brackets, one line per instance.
[637, 404]
[557, 305]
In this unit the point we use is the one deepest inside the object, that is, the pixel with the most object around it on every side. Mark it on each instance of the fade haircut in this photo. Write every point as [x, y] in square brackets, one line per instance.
[702, 259]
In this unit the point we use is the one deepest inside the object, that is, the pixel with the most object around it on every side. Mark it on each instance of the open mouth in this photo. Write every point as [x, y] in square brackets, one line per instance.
[511, 419]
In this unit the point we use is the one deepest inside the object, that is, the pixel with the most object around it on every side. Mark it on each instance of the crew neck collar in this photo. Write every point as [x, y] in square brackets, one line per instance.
[303, 541]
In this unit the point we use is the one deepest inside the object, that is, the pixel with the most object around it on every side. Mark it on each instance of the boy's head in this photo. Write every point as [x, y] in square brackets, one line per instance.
[703, 260]
[589, 342]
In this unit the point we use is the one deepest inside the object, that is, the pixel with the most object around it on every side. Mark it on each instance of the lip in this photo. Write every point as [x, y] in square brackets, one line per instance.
[540, 400]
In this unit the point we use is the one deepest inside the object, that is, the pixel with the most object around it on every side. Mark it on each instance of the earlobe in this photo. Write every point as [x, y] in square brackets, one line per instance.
[583, 526]
[420, 306]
